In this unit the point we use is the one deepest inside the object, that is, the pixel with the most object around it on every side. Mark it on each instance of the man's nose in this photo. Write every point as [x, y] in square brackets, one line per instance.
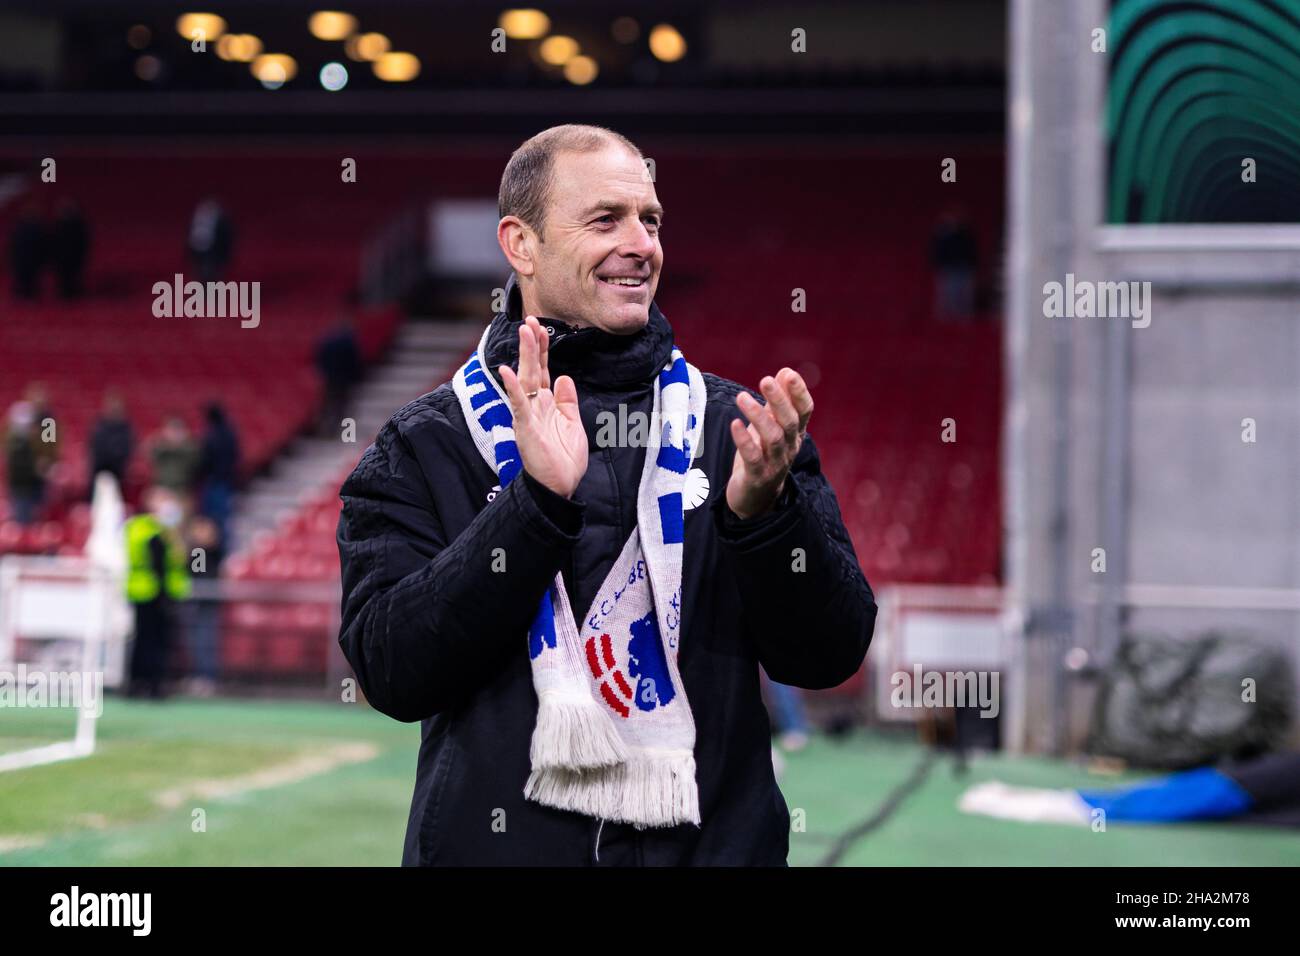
[637, 241]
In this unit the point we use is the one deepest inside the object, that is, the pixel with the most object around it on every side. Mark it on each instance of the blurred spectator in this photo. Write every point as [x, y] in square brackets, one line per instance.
[22, 460]
[111, 441]
[338, 359]
[157, 577]
[203, 613]
[218, 468]
[69, 247]
[211, 240]
[789, 716]
[175, 458]
[28, 248]
[39, 397]
[953, 256]
[46, 445]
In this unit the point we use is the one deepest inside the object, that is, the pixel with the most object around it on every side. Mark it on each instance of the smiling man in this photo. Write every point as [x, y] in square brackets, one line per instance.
[578, 623]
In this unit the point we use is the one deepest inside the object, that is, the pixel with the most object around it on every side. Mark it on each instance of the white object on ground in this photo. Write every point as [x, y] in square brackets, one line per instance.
[1029, 804]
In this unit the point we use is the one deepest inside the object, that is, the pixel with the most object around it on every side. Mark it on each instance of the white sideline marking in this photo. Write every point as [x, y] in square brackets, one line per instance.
[21, 842]
[291, 771]
[279, 775]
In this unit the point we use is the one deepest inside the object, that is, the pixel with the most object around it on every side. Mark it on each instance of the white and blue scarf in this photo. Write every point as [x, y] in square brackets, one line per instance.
[614, 737]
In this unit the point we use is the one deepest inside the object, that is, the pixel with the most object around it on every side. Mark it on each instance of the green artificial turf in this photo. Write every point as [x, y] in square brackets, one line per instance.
[226, 758]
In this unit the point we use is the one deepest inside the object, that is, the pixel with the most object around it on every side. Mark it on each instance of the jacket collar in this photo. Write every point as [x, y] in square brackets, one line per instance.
[591, 356]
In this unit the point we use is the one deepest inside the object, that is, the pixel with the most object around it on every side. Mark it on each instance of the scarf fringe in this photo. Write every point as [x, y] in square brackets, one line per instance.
[574, 732]
[656, 790]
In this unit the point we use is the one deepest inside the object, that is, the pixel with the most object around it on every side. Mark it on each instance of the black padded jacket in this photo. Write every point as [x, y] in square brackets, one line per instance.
[436, 635]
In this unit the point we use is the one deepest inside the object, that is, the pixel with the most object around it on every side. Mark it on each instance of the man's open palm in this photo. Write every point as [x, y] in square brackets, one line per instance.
[548, 429]
[767, 447]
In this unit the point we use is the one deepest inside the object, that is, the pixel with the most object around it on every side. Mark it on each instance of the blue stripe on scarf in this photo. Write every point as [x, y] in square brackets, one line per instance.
[670, 518]
[495, 415]
[507, 452]
[675, 373]
[674, 459]
[541, 634]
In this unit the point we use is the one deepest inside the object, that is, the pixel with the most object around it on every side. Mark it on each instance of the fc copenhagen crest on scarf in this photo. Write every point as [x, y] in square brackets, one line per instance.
[650, 684]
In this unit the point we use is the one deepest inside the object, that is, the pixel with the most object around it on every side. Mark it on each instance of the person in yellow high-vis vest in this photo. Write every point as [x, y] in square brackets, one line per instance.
[157, 577]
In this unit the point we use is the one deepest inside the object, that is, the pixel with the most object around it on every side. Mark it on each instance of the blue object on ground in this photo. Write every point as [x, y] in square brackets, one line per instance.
[1203, 794]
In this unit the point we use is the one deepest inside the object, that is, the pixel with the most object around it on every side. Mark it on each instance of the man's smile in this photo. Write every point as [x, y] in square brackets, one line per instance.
[625, 282]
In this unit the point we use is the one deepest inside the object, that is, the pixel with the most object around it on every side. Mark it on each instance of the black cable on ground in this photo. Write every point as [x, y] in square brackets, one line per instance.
[886, 809]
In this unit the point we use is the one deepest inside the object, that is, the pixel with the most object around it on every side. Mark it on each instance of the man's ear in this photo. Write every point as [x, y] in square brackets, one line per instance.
[518, 242]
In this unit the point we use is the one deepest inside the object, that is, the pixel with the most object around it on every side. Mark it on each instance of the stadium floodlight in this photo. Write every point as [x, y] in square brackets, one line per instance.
[139, 36]
[581, 70]
[148, 67]
[667, 44]
[558, 50]
[397, 67]
[332, 25]
[201, 26]
[364, 47]
[524, 24]
[274, 69]
[625, 29]
[333, 76]
[239, 47]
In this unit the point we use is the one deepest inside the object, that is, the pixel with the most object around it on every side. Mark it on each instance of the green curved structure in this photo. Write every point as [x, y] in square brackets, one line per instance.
[1196, 87]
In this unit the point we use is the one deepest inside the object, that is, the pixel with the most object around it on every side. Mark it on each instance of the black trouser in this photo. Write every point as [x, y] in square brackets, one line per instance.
[153, 638]
[1273, 782]
[27, 280]
[69, 275]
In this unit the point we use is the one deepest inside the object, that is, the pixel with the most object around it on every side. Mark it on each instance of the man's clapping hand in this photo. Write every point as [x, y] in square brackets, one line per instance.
[766, 448]
[548, 429]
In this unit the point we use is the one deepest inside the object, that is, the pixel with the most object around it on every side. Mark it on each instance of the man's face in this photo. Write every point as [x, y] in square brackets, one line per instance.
[599, 265]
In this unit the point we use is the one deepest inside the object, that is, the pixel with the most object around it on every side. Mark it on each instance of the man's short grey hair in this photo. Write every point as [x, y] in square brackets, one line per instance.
[526, 183]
